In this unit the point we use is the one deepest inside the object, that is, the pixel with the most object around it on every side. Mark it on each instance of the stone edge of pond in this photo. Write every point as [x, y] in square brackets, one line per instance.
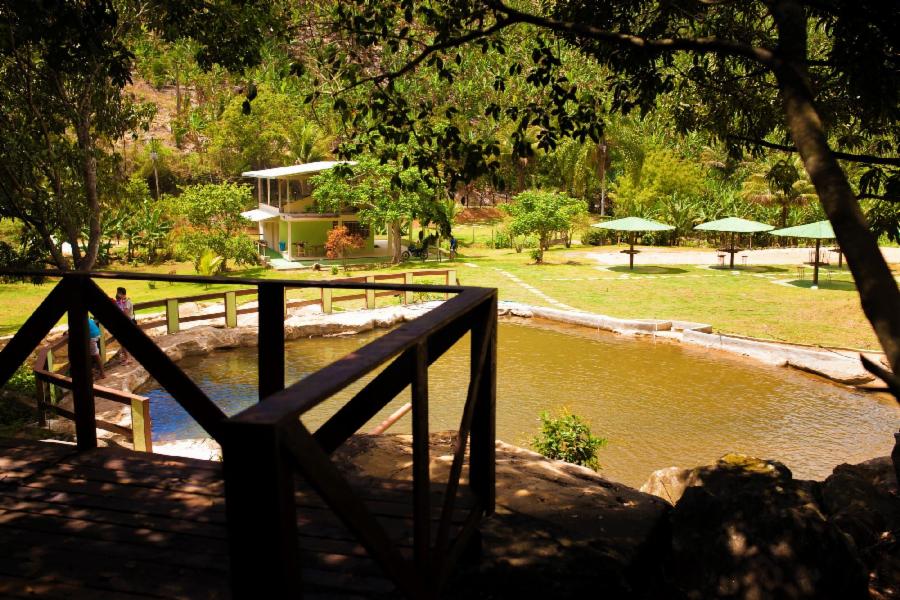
[839, 366]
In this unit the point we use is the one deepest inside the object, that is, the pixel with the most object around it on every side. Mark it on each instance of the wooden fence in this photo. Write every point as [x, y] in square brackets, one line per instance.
[50, 378]
[326, 300]
[267, 445]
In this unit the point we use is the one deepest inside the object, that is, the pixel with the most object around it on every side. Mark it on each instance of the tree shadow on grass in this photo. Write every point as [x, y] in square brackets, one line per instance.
[756, 269]
[834, 285]
[648, 270]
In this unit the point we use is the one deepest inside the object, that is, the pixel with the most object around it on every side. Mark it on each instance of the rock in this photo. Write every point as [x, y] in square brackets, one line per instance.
[862, 500]
[745, 528]
[668, 484]
[202, 448]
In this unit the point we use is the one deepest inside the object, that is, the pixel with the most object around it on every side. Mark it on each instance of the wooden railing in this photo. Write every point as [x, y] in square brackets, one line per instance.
[266, 445]
[172, 319]
[50, 377]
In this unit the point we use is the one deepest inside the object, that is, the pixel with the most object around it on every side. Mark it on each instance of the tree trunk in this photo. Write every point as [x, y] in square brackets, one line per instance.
[878, 290]
[89, 174]
[394, 230]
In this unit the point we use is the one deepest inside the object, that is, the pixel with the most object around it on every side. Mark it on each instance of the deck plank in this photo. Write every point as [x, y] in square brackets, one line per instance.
[124, 525]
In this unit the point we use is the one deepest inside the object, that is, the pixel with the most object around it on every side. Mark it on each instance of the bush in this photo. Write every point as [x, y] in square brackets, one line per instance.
[593, 237]
[537, 255]
[568, 438]
[22, 381]
[503, 239]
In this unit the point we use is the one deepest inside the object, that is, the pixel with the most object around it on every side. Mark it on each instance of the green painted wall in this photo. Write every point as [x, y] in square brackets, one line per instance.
[315, 233]
[282, 234]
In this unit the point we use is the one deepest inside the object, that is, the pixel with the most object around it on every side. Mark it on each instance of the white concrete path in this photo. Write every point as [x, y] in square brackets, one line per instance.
[533, 290]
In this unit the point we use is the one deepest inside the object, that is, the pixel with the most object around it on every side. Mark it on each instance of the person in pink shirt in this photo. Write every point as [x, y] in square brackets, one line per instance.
[126, 306]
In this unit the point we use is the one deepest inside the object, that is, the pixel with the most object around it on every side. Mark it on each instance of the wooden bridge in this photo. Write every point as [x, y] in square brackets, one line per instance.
[278, 517]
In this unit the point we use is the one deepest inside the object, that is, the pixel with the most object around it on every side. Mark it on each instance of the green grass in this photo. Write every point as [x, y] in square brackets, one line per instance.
[750, 303]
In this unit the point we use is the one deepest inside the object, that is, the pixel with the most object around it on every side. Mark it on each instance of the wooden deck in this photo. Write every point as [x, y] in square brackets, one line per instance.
[118, 524]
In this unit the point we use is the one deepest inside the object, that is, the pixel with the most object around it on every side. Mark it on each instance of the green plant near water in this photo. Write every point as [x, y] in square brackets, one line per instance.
[22, 381]
[568, 437]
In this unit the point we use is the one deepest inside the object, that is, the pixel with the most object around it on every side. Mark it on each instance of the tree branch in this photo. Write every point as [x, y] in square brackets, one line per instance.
[860, 158]
[431, 49]
[701, 45]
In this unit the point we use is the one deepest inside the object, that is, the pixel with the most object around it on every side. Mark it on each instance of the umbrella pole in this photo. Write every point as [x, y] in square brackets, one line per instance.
[631, 254]
[816, 265]
[732, 251]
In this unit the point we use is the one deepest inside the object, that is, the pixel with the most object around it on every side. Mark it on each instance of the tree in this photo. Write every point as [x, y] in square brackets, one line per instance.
[386, 195]
[213, 212]
[543, 213]
[794, 70]
[340, 241]
[782, 185]
[63, 66]
[274, 132]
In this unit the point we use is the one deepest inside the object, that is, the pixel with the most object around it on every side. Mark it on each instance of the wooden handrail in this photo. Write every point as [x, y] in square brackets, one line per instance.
[265, 444]
[321, 385]
[140, 432]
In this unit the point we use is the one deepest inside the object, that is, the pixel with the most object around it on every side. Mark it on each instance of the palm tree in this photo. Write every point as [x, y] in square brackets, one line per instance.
[781, 184]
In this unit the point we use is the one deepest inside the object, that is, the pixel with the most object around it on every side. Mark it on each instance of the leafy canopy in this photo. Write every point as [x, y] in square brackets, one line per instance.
[543, 213]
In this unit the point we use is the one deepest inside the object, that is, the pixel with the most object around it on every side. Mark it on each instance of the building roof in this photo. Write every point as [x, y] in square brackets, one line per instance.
[313, 167]
[256, 215]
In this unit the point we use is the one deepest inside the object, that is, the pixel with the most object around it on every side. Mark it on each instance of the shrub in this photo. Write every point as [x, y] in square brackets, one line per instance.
[567, 437]
[22, 381]
[593, 237]
[537, 255]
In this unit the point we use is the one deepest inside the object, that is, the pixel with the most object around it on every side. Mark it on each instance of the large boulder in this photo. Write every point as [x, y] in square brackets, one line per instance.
[863, 501]
[746, 529]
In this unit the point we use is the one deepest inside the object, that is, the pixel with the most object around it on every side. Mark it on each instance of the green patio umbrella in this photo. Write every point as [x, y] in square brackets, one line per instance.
[820, 230]
[734, 225]
[633, 225]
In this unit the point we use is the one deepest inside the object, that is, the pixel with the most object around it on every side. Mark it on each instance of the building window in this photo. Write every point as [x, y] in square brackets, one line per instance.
[354, 228]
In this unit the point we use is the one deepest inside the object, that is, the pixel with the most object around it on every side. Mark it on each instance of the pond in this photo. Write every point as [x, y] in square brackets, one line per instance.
[658, 403]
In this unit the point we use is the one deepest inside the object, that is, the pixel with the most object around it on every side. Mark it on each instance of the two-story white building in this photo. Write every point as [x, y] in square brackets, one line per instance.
[289, 223]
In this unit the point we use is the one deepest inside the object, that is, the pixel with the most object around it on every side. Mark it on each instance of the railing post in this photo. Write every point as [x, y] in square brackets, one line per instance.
[271, 339]
[81, 370]
[421, 460]
[54, 391]
[101, 344]
[172, 325]
[261, 513]
[40, 396]
[449, 279]
[370, 294]
[141, 427]
[326, 301]
[230, 309]
[484, 425]
[407, 279]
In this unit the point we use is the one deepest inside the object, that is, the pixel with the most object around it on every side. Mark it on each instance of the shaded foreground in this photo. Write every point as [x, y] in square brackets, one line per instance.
[741, 528]
[118, 524]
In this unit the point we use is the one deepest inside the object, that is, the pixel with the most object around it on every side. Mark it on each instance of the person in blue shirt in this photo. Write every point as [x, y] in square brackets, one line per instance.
[94, 334]
[454, 243]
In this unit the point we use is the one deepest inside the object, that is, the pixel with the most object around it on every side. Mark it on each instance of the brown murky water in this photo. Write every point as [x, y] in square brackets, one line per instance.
[658, 403]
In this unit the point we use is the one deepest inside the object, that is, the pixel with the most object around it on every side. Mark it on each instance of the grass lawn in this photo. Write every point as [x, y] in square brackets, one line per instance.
[765, 302]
